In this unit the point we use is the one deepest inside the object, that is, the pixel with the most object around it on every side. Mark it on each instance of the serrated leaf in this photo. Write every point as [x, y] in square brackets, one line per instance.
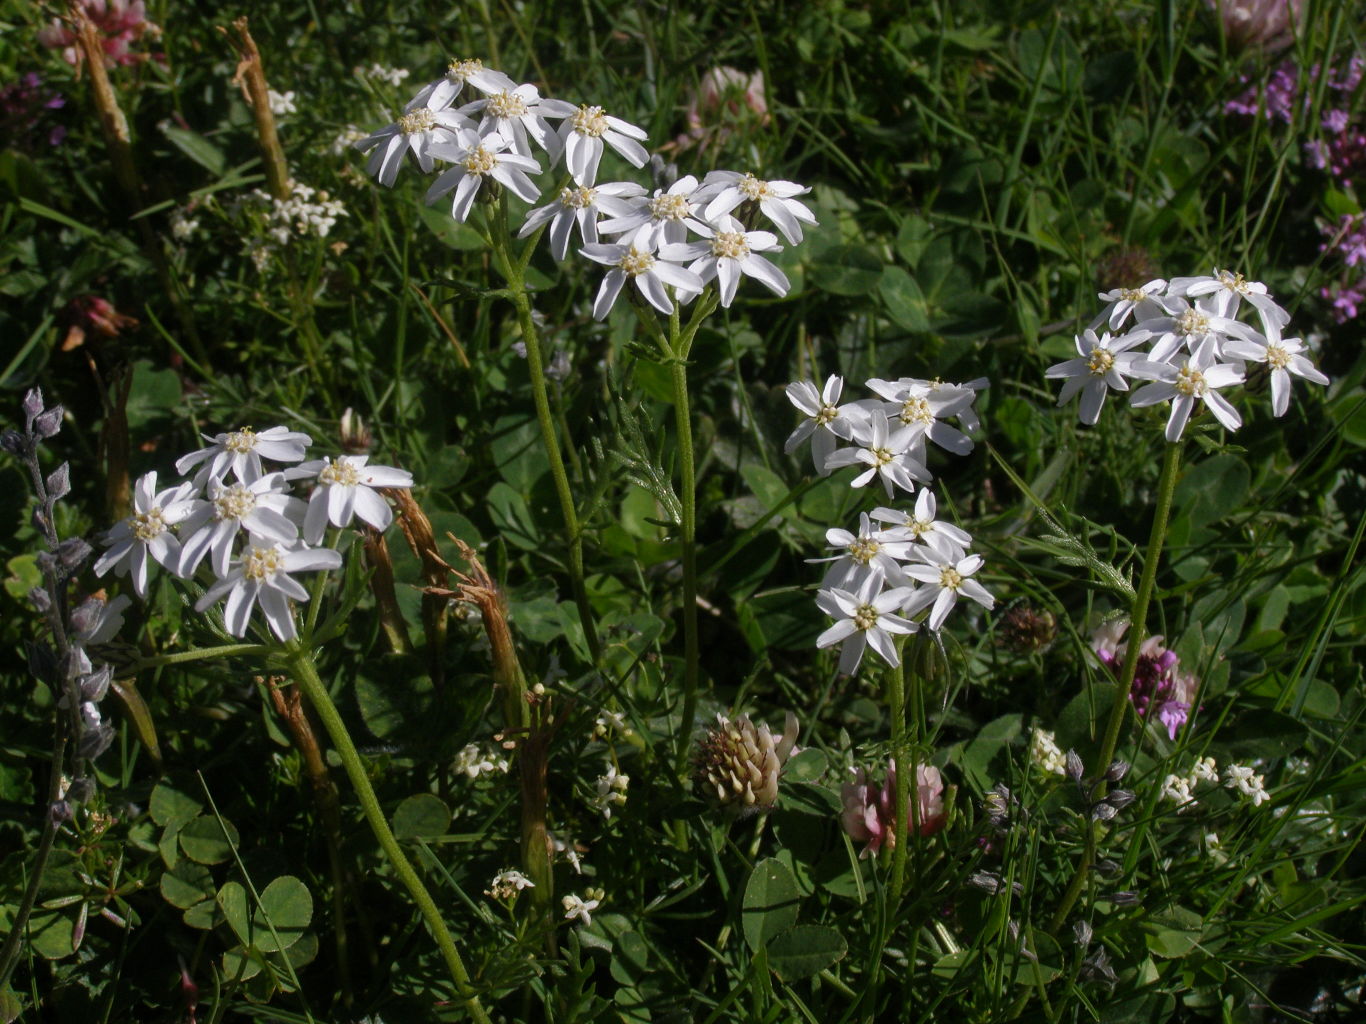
[770, 903]
[804, 950]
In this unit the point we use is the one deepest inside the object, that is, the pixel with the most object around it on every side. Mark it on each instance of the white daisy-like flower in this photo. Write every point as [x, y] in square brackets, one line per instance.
[921, 525]
[888, 454]
[1186, 326]
[866, 617]
[1103, 364]
[575, 906]
[475, 158]
[666, 216]
[826, 422]
[777, 200]
[519, 115]
[1222, 292]
[241, 451]
[582, 135]
[417, 130]
[1191, 379]
[344, 489]
[649, 272]
[1122, 303]
[860, 553]
[261, 575]
[945, 575]
[1282, 357]
[441, 94]
[581, 205]
[729, 253]
[922, 405]
[147, 532]
[262, 508]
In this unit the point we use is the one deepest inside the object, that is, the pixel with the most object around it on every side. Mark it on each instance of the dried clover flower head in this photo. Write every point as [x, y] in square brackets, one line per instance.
[738, 763]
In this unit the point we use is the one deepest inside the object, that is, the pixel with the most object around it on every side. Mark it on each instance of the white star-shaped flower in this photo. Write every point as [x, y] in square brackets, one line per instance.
[581, 205]
[1191, 379]
[476, 158]
[261, 575]
[416, 131]
[777, 200]
[888, 454]
[865, 617]
[1103, 364]
[729, 253]
[826, 421]
[441, 94]
[518, 115]
[863, 552]
[921, 525]
[664, 217]
[945, 575]
[241, 451]
[1282, 357]
[262, 508]
[583, 134]
[1122, 303]
[147, 532]
[649, 272]
[344, 489]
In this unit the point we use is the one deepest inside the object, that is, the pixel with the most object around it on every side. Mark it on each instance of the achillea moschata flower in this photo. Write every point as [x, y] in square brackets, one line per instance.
[869, 815]
[738, 763]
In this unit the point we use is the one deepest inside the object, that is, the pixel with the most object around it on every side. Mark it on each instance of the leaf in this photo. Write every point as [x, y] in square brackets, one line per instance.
[139, 714]
[802, 951]
[770, 903]
[196, 147]
[990, 739]
[904, 300]
[286, 907]
[421, 815]
[448, 231]
[10, 1006]
[806, 766]
[51, 936]
[232, 900]
[169, 804]
[1212, 489]
[845, 270]
[1173, 933]
[186, 884]
[208, 840]
[202, 915]
[24, 575]
[241, 964]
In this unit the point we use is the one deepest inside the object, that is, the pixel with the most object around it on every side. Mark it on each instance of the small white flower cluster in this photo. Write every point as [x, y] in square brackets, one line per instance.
[611, 791]
[576, 906]
[246, 523]
[1045, 752]
[281, 103]
[1197, 347]
[1180, 789]
[507, 884]
[1246, 781]
[924, 561]
[474, 762]
[379, 73]
[610, 721]
[345, 139]
[490, 139]
[183, 226]
[306, 211]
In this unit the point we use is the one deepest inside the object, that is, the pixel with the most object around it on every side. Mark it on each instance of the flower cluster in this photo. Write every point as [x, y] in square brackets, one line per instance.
[737, 764]
[474, 761]
[1180, 789]
[118, 23]
[307, 211]
[507, 884]
[1160, 690]
[253, 532]
[501, 136]
[1196, 346]
[610, 791]
[921, 561]
[1045, 752]
[24, 107]
[869, 810]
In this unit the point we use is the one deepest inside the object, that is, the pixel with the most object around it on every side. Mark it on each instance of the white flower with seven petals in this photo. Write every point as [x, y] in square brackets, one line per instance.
[866, 617]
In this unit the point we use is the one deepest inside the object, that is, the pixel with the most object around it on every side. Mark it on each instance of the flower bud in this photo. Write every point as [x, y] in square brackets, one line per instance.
[1120, 799]
[14, 442]
[1081, 931]
[738, 763]
[48, 423]
[40, 599]
[73, 552]
[59, 482]
[1075, 768]
[1103, 811]
[80, 791]
[95, 685]
[1125, 898]
[95, 742]
[33, 405]
[1117, 771]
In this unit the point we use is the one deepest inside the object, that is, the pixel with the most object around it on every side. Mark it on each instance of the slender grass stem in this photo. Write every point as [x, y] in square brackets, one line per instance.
[305, 674]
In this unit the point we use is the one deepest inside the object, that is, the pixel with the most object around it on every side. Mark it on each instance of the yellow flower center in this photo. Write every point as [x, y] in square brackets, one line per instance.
[342, 474]
[863, 549]
[826, 415]
[578, 198]
[506, 104]
[1233, 282]
[1277, 357]
[865, 616]
[635, 262]
[261, 564]
[667, 207]
[234, 502]
[916, 410]
[460, 70]
[753, 188]
[950, 578]
[1099, 361]
[1132, 294]
[882, 456]
[1192, 321]
[590, 121]
[480, 161]
[240, 441]
[418, 121]
[148, 525]
[729, 245]
[1190, 382]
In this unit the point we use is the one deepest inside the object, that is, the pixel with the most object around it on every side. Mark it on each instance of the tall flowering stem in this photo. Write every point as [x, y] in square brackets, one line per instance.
[301, 668]
[896, 707]
[513, 270]
[1138, 620]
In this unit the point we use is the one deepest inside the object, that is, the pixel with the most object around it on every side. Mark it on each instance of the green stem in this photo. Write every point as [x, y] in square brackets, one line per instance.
[201, 654]
[305, 674]
[514, 273]
[901, 827]
[1138, 619]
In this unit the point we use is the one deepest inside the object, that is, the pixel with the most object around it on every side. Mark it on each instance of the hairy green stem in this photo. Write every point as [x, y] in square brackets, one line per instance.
[305, 674]
[201, 654]
[514, 273]
[905, 769]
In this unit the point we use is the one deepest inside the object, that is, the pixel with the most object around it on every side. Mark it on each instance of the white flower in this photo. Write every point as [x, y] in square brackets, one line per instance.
[418, 129]
[474, 762]
[1192, 379]
[1045, 752]
[344, 489]
[1189, 327]
[611, 790]
[1204, 770]
[241, 451]
[518, 115]
[608, 721]
[1282, 357]
[262, 574]
[183, 226]
[921, 524]
[478, 157]
[1104, 362]
[825, 423]
[887, 454]
[663, 218]
[1222, 292]
[582, 206]
[865, 618]
[945, 575]
[507, 884]
[649, 272]
[776, 200]
[570, 851]
[1246, 781]
[582, 135]
[96, 620]
[861, 553]
[147, 532]
[730, 253]
[345, 139]
[262, 508]
[921, 404]
[580, 908]
[440, 94]
[1141, 303]
[281, 103]
[1177, 789]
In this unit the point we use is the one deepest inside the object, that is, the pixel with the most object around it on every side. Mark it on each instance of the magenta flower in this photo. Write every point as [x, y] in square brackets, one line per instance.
[120, 24]
[1159, 689]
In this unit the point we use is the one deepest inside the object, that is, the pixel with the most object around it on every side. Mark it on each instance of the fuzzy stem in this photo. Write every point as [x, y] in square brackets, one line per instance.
[905, 769]
[305, 674]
